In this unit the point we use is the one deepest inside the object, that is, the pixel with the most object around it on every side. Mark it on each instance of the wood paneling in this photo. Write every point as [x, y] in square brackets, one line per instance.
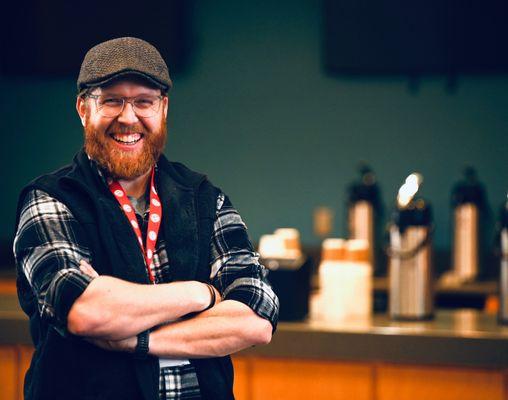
[307, 379]
[25, 357]
[423, 383]
[242, 377]
[259, 378]
[8, 286]
[8, 373]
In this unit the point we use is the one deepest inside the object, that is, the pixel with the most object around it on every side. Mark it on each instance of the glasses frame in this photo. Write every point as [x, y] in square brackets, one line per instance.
[125, 100]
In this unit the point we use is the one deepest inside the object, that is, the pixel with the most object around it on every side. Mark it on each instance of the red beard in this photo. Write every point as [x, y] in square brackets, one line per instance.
[122, 164]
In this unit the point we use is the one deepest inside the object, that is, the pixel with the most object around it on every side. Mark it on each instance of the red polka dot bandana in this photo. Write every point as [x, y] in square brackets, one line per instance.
[154, 220]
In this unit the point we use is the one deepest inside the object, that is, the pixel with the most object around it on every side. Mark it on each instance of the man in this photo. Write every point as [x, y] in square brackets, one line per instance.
[136, 272]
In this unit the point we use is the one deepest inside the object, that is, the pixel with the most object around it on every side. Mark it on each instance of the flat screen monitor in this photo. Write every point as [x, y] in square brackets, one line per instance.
[415, 37]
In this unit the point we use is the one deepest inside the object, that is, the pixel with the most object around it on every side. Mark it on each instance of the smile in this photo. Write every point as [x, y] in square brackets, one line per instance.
[129, 139]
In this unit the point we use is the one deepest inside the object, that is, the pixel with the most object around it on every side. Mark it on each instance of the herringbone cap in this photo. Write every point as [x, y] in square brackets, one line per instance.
[123, 56]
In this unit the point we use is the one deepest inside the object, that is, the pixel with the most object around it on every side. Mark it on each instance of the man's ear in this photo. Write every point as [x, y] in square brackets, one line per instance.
[165, 105]
[81, 109]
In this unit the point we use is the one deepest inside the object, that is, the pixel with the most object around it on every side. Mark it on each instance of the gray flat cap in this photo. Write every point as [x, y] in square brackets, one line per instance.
[123, 56]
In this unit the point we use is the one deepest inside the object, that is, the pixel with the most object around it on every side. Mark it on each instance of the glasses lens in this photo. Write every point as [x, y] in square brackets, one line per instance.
[146, 106]
[110, 106]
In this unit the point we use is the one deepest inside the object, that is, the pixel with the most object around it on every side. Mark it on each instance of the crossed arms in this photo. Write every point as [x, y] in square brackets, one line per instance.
[110, 312]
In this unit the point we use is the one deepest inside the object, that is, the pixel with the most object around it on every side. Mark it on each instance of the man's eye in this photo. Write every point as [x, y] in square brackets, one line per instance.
[144, 102]
[111, 102]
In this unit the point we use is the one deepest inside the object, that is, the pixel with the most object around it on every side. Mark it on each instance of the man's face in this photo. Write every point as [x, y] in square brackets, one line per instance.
[126, 145]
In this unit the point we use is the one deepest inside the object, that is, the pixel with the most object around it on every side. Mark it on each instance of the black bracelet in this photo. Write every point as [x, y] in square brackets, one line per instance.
[212, 296]
[141, 350]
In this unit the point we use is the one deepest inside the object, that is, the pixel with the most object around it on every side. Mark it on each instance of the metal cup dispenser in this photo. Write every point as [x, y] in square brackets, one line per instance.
[503, 282]
[410, 255]
[364, 211]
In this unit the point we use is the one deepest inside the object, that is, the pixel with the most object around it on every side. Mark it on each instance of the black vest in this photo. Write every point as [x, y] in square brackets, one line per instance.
[70, 368]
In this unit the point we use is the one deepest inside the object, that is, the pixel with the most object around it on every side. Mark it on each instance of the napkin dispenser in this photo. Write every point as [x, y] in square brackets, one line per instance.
[290, 272]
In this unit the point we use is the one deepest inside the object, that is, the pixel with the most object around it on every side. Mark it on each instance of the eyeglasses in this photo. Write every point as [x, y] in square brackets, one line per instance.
[144, 106]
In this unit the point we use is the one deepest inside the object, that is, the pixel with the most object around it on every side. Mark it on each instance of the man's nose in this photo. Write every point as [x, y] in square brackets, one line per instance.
[127, 116]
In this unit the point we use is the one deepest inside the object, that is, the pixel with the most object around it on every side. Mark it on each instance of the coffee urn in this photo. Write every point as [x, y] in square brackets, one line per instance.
[364, 213]
[469, 207]
[410, 258]
[503, 281]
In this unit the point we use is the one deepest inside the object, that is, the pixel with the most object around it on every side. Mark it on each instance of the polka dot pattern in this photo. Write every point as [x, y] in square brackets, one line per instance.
[154, 220]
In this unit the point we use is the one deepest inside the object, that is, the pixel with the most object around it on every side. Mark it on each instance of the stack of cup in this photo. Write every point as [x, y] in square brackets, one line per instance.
[345, 281]
[359, 276]
[332, 258]
[283, 244]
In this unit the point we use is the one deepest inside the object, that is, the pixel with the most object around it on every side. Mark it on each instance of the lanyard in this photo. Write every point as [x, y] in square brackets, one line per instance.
[154, 220]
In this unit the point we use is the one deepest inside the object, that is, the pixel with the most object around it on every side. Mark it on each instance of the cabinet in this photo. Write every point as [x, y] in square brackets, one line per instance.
[278, 378]
[14, 362]
[260, 378]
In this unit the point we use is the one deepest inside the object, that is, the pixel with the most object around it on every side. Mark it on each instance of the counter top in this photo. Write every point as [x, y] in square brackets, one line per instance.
[464, 337]
[482, 288]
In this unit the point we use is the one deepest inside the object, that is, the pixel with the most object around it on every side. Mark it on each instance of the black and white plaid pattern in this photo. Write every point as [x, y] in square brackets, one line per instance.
[179, 382]
[48, 248]
[48, 252]
[235, 267]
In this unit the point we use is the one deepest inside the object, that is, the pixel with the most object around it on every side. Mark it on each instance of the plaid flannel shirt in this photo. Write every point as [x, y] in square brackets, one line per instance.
[48, 249]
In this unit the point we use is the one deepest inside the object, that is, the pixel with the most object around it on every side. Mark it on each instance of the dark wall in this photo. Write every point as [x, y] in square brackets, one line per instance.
[257, 113]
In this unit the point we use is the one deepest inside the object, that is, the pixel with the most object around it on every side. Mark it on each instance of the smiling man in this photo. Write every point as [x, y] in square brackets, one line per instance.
[136, 272]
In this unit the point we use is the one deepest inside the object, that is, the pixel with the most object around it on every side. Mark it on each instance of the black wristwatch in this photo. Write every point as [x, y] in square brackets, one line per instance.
[141, 350]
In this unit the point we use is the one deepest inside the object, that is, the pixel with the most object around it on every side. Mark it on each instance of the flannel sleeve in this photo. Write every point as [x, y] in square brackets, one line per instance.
[48, 247]
[235, 267]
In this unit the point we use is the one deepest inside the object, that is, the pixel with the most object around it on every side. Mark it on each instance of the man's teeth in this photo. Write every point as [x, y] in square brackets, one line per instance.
[127, 139]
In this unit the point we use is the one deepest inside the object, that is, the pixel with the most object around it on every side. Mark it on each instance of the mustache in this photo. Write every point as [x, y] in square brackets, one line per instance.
[119, 128]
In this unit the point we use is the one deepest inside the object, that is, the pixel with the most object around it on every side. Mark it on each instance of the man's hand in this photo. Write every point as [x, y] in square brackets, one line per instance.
[87, 269]
[127, 345]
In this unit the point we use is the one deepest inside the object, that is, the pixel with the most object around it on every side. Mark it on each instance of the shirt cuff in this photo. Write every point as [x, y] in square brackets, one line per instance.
[68, 285]
[258, 296]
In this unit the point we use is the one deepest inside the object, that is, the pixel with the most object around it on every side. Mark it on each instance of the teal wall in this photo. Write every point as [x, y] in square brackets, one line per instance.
[259, 116]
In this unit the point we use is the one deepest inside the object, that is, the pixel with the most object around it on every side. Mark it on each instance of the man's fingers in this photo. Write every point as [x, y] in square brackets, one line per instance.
[87, 269]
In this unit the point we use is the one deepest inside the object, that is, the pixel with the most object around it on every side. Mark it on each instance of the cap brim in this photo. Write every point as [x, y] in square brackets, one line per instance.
[125, 74]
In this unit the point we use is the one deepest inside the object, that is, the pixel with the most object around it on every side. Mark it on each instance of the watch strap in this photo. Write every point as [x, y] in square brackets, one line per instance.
[142, 346]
